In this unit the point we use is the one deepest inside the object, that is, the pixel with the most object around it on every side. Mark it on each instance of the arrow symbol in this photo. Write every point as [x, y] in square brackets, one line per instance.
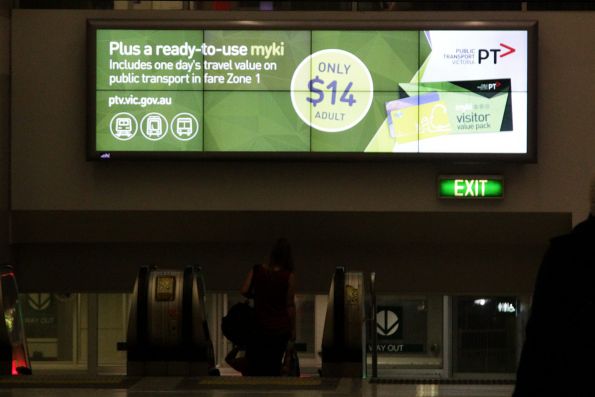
[39, 301]
[387, 323]
[510, 50]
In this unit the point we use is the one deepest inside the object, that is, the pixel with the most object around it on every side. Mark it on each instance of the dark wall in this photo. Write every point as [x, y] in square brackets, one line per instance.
[88, 225]
[49, 123]
[4, 129]
[417, 253]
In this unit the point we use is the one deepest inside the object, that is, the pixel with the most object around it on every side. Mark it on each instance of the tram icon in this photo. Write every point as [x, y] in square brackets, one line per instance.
[154, 126]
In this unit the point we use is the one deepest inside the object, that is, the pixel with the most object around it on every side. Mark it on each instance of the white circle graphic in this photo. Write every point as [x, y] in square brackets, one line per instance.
[184, 126]
[123, 126]
[154, 126]
[350, 83]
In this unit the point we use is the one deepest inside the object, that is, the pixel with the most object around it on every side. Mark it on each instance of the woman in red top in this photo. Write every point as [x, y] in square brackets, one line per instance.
[272, 287]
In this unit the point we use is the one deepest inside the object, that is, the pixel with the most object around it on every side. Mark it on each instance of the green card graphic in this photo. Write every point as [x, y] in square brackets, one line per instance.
[429, 110]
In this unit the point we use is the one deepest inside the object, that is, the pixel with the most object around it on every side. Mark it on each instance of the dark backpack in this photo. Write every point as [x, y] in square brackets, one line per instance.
[238, 325]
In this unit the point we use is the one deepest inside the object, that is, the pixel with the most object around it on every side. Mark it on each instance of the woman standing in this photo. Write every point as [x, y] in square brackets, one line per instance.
[272, 287]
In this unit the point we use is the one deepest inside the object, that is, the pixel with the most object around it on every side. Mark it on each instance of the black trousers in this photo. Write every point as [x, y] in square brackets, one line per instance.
[264, 354]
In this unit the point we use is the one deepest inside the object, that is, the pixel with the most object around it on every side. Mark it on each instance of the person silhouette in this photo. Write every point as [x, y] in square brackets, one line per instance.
[272, 287]
[559, 336]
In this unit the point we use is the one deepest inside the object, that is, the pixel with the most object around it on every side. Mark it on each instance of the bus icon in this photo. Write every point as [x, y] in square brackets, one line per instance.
[184, 126]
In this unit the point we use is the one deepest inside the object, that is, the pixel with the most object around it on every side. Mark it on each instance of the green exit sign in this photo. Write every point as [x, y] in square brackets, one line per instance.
[470, 187]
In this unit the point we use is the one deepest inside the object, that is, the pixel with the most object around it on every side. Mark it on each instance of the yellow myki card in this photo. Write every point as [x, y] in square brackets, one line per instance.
[417, 117]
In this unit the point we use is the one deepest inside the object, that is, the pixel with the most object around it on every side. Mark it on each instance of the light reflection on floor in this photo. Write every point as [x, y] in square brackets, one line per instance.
[344, 388]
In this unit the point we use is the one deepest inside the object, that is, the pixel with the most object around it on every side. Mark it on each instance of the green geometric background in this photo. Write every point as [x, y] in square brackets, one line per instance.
[392, 57]
[250, 118]
[253, 121]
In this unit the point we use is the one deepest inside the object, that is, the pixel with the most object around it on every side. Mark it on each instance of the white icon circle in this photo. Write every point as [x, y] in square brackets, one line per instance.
[123, 126]
[154, 126]
[184, 126]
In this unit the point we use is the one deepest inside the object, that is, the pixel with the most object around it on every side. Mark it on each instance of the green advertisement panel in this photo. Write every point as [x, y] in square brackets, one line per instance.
[258, 89]
[149, 59]
[234, 116]
[150, 121]
[353, 73]
[253, 59]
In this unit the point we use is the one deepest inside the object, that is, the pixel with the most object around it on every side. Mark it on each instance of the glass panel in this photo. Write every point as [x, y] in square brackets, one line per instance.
[112, 323]
[485, 334]
[50, 325]
[409, 332]
[82, 327]
[305, 324]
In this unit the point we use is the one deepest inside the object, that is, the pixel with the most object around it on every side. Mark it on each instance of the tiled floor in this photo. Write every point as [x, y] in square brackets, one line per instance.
[167, 387]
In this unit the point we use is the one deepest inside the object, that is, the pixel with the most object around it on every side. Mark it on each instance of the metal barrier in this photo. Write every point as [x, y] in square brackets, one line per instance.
[373, 320]
[168, 333]
[344, 336]
[14, 357]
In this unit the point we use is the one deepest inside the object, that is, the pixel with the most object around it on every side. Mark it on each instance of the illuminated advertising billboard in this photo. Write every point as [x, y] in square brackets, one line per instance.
[334, 90]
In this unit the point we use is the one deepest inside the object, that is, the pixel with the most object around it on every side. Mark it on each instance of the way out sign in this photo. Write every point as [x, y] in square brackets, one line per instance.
[389, 330]
[389, 323]
[40, 315]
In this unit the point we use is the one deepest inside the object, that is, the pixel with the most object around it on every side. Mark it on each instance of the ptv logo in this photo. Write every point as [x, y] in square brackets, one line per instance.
[489, 86]
[487, 54]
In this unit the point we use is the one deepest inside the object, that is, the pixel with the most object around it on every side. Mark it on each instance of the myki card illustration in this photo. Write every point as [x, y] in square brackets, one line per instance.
[467, 85]
[448, 108]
